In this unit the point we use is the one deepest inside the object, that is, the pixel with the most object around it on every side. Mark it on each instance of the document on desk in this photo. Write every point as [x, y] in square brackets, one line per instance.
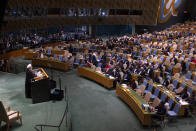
[124, 85]
[111, 77]
[183, 102]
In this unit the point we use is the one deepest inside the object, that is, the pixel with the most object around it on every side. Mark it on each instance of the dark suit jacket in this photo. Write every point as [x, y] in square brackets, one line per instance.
[29, 76]
[134, 85]
[161, 110]
[94, 60]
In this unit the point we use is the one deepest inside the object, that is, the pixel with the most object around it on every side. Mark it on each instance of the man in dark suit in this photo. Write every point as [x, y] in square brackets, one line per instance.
[29, 76]
[94, 59]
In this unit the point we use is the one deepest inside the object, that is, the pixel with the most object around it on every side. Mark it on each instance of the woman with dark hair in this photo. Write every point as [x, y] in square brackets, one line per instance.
[184, 95]
[161, 109]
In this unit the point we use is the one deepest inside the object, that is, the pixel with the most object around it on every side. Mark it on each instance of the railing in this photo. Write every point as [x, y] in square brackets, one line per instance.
[66, 116]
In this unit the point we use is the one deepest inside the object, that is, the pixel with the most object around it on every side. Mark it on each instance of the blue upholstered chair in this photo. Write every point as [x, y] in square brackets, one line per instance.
[188, 75]
[175, 83]
[77, 62]
[156, 93]
[163, 97]
[175, 111]
[171, 101]
[150, 87]
[194, 80]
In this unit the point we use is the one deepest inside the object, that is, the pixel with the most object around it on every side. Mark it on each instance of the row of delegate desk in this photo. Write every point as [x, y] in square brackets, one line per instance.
[32, 55]
[13, 54]
[186, 83]
[103, 79]
[170, 94]
[50, 63]
[96, 76]
[135, 102]
[129, 96]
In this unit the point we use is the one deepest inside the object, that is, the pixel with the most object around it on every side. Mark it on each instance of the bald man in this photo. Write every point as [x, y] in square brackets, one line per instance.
[29, 76]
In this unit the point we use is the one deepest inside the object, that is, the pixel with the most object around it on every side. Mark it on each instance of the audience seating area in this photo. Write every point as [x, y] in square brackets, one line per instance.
[146, 70]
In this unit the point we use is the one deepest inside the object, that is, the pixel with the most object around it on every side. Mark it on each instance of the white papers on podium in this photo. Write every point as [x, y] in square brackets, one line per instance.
[39, 74]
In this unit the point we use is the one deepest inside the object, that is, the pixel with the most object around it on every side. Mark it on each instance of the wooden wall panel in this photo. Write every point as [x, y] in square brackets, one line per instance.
[149, 13]
[109, 4]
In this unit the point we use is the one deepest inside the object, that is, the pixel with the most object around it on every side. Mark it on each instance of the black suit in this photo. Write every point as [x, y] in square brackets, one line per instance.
[29, 76]
[161, 110]
[94, 60]
[134, 85]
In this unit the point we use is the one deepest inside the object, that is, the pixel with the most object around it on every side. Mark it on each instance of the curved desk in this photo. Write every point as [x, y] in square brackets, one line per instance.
[95, 76]
[14, 54]
[51, 64]
[170, 94]
[185, 82]
[30, 55]
[135, 102]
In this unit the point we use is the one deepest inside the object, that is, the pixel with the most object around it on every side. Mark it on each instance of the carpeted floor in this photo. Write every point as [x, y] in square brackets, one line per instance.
[92, 107]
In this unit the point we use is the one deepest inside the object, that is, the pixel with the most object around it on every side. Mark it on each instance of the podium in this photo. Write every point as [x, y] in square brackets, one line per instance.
[40, 87]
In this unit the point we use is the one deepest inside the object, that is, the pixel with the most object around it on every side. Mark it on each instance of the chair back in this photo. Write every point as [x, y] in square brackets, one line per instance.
[157, 90]
[77, 60]
[3, 113]
[55, 56]
[171, 101]
[49, 52]
[71, 61]
[183, 56]
[170, 68]
[156, 102]
[148, 96]
[99, 64]
[188, 75]
[161, 58]
[150, 87]
[175, 83]
[163, 97]
[194, 78]
[145, 83]
[187, 66]
[183, 85]
[60, 57]
[190, 90]
[99, 58]
[177, 108]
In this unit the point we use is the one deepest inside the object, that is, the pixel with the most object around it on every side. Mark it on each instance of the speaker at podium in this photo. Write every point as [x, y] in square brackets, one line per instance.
[41, 86]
